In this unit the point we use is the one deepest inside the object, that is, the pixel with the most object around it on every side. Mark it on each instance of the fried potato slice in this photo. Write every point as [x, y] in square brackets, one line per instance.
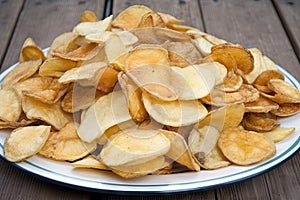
[147, 55]
[46, 89]
[229, 116]
[85, 28]
[286, 109]
[174, 113]
[134, 146]
[13, 125]
[107, 79]
[24, 142]
[261, 105]
[177, 60]
[264, 78]
[217, 69]
[245, 147]
[49, 113]
[285, 92]
[278, 134]
[21, 72]
[151, 19]
[130, 18]
[204, 46]
[258, 65]
[242, 56]
[89, 162]
[225, 58]
[62, 41]
[10, 105]
[88, 16]
[142, 169]
[55, 67]
[249, 92]
[64, 145]
[114, 47]
[180, 151]
[169, 19]
[220, 98]
[232, 82]
[107, 111]
[258, 122]
[86, 75]
[30, 51]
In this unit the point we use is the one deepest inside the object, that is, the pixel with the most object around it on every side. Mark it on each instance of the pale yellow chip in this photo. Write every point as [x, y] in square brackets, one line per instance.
[30, 51]
[204, 46]
[50, 113]
[21, 72]
[45, 89]
[64, 145]
[89, 162]
[278, 134]
[245, 147]
[10, 105]
[85, 28]
[174, 113]
[25, 142]
[134, 146]
[259, 122]
[114, 47]
[180, 151]
[55, 67]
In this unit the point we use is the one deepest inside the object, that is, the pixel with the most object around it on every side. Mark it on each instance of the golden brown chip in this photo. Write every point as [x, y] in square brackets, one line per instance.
[49, 113]
[10, 105]
[107, 80]
[285, 92]
[261, 105]
[64, 145]
[258, 122]
[21, 72]
[231, 83]
[55, 67]
[88, 16]
[264, 78]
[31, 52]
[249, 92]
[225, 58]
[24, 142]
[151, 19]
[245, 147]
[286, 109]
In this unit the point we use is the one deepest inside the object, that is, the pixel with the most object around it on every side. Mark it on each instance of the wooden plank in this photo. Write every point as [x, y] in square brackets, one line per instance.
[183, 9]
[9, 12]
[247, 23]
[44, 20]
[289, 12]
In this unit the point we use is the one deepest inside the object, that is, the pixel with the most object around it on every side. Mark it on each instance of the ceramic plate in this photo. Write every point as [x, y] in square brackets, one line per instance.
[94, 180]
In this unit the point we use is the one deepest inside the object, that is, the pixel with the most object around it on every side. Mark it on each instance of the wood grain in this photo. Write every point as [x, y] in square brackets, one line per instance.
[45, 20]
[289, 12]
[9, 13]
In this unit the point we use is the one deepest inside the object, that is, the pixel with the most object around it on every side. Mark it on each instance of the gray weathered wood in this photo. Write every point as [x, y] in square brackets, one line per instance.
[289, 12]
[9, 12]
[45, 20]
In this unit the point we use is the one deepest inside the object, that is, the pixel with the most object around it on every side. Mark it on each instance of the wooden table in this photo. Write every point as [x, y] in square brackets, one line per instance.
[270, 25]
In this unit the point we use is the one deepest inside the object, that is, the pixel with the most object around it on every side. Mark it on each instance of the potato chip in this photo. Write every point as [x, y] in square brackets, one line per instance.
[55, 67]
[286, 109]
[229, 116]
[218, 70]
[88, 16]
[285, 92]
[49, 113]
[204, 46]
[21, 72]
[249, 92]
[245, 147]
[46, 89]
[86, 75]
[134, 146]
[13, 125]
[220, 98]
[119, 62]
[177, 60]
[130, 18]
[61, 41]
[127, 38]
[10, 105]
[114, 47]
[107, 79]
[174, 113]
[242, 56]
[85, 28]
[106, 112]
[231, 83]
[264, 78]
[24, 142]
[180, 151]
[169, 19]
[179, 27]
[30, 51]
[64, 145]
[151, 19]
[261, 105]
[89, 162]
[278, 134]
[257, 122]
[258, 65]
[99, 37]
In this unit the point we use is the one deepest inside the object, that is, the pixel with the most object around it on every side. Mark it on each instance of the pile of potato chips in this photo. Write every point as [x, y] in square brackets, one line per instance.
[141, 94]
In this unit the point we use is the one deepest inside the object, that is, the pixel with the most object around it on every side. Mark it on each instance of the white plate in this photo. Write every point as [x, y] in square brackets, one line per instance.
[95, 180]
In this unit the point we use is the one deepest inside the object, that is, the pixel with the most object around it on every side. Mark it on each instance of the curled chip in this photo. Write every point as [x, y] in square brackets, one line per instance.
[10, 105]
[24, 142]
[285, 92]
[151, 19]
[64, 145]
[89, 162]
[259, 122]
[21, 72]
[286, 109]
[134, 146]
[174, 113]
[55, 67]
[264, 78]
[30, 51]
[245, 147]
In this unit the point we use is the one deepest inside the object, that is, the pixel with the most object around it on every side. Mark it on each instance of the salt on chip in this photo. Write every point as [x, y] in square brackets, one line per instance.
[10, 105]
[174, 113]
[245, 147]
[49, 113]
[24, 142]
[21, 72]
[64, 145]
